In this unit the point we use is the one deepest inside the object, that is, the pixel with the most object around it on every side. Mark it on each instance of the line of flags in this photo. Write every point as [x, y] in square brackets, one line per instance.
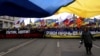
[68, 22]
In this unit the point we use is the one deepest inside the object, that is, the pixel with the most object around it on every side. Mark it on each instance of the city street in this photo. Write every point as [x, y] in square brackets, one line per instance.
[45, 47]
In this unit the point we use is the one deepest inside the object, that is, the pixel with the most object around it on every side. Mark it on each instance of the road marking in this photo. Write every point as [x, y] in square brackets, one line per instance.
[96, 46]
[58, 44]
[16, 47]
[2, 53]
[58, 49]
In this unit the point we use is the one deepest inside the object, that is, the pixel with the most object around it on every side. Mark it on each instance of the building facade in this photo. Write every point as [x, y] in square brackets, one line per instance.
[7, 21]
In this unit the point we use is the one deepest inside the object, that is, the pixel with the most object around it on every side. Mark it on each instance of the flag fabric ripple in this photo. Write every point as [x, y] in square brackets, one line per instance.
[31, 8]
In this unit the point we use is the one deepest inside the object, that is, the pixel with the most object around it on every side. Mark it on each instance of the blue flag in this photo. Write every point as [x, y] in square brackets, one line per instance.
[31, 8]
[51, 5]
[95, 20]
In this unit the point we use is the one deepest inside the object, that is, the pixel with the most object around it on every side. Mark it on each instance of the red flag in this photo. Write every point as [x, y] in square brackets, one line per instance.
[56, 24]
[79, 22]
[71, 22]
[66, 22]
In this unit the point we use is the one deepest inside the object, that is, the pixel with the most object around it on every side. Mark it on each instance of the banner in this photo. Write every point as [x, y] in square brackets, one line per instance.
[21, 34]
[44, 33]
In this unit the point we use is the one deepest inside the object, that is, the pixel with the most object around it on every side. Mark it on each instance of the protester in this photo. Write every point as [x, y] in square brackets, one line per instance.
[87, 38]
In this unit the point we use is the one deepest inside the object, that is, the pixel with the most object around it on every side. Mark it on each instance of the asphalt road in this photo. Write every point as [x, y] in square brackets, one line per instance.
[45, 47]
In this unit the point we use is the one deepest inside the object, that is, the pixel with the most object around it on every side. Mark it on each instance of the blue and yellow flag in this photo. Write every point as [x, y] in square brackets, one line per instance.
[83, 8]
[31, 8]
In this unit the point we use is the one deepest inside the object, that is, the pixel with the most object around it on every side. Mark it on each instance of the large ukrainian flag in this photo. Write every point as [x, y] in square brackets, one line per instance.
[83, 8]
[31, 8]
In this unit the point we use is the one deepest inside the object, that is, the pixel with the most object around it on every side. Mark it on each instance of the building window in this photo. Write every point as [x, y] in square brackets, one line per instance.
[11, 24]
[1, 24]
[6, 24]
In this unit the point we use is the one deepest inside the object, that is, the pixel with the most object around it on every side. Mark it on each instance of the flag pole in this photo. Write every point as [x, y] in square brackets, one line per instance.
[74, 17]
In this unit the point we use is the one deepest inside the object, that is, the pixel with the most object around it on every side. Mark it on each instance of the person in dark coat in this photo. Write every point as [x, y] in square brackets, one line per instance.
[87, 38]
